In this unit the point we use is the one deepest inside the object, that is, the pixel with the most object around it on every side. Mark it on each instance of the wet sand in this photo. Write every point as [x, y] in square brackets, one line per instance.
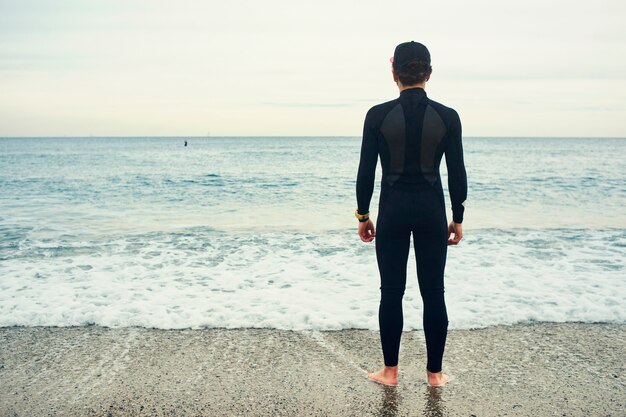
[541, 369]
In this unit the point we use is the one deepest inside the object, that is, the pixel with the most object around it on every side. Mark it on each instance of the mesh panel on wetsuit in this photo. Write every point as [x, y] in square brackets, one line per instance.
[413, 142]
[433, 132]
[393, 129]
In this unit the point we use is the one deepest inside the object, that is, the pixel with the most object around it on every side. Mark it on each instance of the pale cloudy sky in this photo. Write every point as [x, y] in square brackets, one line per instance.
[270, 67]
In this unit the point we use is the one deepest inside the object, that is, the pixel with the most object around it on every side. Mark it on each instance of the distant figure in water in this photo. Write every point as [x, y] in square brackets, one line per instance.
[185, 143]
[411, 134]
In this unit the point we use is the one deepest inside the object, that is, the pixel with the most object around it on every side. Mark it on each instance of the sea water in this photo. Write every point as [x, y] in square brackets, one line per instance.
[260, 232]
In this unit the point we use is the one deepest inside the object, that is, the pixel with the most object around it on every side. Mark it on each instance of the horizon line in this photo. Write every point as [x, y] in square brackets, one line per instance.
[285, 136]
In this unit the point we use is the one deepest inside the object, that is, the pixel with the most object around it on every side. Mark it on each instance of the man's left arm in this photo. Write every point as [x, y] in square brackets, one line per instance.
[367, 166]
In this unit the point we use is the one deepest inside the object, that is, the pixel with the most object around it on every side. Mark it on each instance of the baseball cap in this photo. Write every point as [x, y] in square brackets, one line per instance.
[410, 51]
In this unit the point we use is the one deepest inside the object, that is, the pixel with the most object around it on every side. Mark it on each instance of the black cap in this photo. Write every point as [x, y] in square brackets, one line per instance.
[410, 51]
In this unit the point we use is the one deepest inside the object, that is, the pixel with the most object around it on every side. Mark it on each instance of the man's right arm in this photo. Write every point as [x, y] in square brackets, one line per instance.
[457, 177]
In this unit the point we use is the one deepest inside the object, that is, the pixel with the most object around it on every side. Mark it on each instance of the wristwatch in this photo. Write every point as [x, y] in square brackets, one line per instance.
[362, 217]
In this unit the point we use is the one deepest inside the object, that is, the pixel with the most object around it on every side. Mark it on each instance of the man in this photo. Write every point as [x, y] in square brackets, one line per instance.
[411, 134]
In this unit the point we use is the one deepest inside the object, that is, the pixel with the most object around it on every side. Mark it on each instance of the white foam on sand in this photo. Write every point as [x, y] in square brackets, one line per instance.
[298, 280]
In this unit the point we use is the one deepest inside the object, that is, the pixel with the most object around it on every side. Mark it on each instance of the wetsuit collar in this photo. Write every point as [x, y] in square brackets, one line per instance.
[413, 91]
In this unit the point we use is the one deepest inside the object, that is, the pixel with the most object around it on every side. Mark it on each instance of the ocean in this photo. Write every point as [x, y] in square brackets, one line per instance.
[260, 232]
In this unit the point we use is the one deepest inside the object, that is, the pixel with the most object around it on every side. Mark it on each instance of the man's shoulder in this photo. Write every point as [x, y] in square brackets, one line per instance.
[377, 112]
[448, 114]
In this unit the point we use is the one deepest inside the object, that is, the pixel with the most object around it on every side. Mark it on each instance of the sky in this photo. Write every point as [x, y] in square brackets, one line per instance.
[306, 68]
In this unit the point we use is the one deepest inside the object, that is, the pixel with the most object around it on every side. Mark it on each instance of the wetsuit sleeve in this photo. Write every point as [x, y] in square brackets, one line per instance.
[367, 166]
[457, 177]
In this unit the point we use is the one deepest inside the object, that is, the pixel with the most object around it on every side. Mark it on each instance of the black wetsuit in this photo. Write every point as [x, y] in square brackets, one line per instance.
[411, 134]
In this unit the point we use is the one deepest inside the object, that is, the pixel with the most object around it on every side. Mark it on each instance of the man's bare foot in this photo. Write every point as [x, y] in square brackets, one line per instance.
[387, 376]
[436, 379]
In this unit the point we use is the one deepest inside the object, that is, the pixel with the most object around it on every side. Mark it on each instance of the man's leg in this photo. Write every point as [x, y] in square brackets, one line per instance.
[430, 243]
[392, 250]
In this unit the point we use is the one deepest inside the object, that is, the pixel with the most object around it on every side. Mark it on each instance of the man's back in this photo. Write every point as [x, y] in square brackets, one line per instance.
[412, 133]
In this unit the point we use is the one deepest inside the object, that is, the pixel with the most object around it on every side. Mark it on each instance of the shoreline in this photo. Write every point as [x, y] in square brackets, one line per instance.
[527, 323]
[540, 369]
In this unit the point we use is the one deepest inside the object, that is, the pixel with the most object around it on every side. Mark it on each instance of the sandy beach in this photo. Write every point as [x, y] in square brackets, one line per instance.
[545, 369]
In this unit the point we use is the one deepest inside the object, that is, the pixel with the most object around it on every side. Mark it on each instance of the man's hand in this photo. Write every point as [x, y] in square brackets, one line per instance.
[457, 229]
[367, 232]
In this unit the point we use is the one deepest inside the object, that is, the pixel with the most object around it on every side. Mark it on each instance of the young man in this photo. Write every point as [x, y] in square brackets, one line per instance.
[411, 134]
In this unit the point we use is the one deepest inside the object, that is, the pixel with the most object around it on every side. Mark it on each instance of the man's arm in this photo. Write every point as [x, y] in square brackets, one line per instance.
[367, 166]
[457, 177]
